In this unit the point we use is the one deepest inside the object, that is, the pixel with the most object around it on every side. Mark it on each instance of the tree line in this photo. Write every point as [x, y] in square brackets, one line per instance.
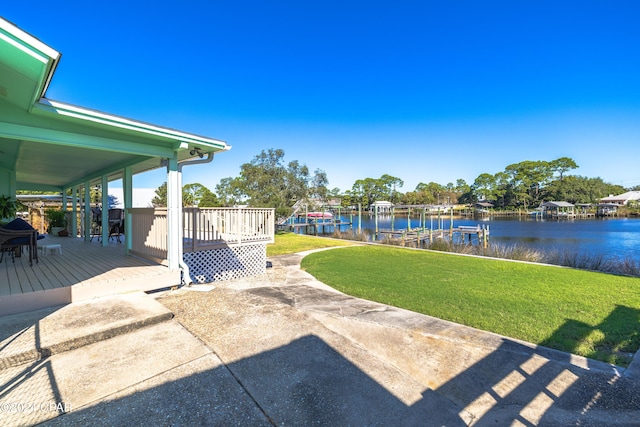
[267, 181]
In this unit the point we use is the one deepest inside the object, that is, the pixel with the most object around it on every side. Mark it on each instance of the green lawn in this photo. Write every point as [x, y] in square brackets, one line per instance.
[590, 314]
[289, 243]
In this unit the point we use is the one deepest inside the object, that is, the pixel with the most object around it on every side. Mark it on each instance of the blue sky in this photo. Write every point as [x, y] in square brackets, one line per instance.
[421, 90]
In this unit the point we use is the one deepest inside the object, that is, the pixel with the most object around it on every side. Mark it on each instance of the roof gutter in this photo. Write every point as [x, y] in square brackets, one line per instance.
[191, 162]
[186, 276]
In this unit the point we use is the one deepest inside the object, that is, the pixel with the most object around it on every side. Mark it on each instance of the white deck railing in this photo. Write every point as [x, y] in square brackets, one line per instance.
[149, 230]
[206, 228]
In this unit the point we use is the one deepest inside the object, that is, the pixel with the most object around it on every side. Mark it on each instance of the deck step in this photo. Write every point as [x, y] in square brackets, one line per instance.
[31, 336]
[31, 301]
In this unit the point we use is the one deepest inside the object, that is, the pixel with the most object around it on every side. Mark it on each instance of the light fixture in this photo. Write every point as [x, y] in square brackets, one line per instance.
[198, 151]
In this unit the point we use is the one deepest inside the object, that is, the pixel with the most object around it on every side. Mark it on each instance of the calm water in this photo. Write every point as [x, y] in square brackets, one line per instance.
[609, 237]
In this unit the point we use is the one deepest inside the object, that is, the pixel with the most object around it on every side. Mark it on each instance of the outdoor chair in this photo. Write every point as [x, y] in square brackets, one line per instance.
[115, 218]
[17, 234]
[96, 223]
[116, 223]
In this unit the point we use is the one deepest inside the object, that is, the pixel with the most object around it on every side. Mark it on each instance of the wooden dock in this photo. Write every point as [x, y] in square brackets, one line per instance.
[421, 236]
[315, 227]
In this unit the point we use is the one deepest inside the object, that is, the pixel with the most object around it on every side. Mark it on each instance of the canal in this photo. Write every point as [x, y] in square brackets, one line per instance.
[613, 238]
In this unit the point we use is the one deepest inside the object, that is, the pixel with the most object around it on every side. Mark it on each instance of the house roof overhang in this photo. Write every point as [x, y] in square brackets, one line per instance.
[558, 204]
[52, 145]
[622, 198]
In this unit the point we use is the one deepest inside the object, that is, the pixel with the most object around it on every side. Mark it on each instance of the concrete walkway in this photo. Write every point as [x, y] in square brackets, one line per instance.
[285, 349]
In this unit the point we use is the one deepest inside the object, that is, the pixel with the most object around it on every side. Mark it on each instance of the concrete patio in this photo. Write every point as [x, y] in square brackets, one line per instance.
[284, 349]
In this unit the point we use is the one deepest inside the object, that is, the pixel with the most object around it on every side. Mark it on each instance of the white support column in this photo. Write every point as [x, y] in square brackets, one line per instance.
[87, 211]
[105, 210]
[127, 184]
[174, 211]
[180, 232]
[74, 211]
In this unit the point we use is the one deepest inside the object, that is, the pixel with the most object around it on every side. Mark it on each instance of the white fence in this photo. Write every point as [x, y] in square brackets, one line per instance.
[203, 229]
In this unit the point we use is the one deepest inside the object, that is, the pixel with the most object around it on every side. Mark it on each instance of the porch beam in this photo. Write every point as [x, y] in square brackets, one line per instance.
[111, 171]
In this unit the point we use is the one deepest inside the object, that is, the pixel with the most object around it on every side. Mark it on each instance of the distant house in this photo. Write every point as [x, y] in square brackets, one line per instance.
[621, 199]
[607, 209]
[334, 203]
[483, 206]
[608, 206]
[583, 208]
[559, 209]
[381, 206]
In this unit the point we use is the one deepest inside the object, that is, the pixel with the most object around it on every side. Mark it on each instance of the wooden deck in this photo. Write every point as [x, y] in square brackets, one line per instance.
[84, 270]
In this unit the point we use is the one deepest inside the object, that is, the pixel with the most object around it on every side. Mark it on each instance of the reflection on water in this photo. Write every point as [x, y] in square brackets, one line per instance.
[609, 237]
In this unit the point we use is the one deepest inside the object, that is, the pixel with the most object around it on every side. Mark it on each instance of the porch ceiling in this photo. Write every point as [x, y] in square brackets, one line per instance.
[41, 165]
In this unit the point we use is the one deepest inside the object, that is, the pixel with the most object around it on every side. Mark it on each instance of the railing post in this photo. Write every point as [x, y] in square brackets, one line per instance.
[238, 225]
[194, 228]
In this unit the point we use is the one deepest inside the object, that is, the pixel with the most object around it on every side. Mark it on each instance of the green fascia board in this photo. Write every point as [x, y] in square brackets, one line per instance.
[28, 56]
[99, 119]
[30, 133]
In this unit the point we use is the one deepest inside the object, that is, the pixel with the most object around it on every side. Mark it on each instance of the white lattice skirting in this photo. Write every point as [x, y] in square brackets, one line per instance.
[227, 263]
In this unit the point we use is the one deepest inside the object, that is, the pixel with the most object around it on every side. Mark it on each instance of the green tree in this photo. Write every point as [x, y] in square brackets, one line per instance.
[580, 189]
[229, 191]
[526, 179]
[431, 193]
[484, 186]
[522, 184]
[160, 199]
[348, 200]
[209, 199]
[192, 194]
[267, 182]
[562, 165]
[391, 184]
[464, 193]
[335, 192]
[462, 186]
[319, 184]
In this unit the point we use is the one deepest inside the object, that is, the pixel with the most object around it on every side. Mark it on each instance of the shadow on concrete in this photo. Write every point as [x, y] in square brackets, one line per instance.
[517, 384]
[307, 382]
[34, 376]
[303, 383]
[16, 326]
